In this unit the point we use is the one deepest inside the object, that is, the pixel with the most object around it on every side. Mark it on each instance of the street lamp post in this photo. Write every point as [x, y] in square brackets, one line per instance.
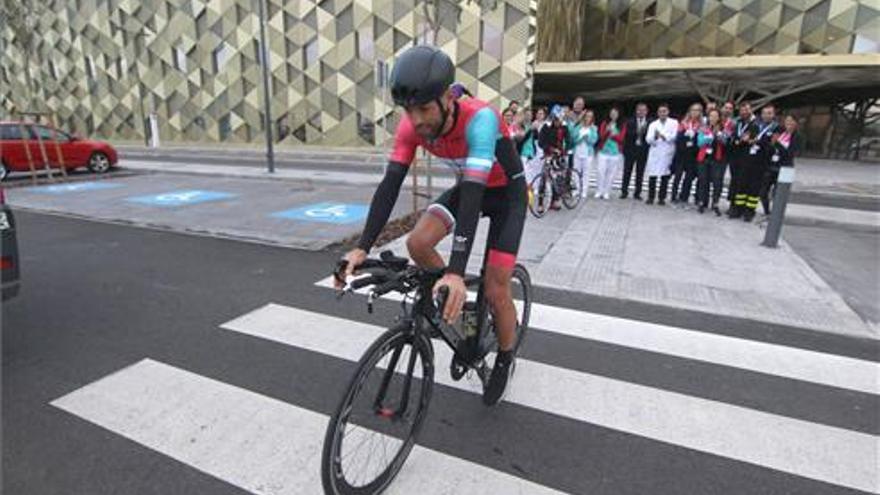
[264, 59]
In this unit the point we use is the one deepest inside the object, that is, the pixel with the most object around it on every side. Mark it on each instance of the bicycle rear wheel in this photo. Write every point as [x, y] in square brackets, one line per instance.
[378, 419]
[521, 292]
[540, 194]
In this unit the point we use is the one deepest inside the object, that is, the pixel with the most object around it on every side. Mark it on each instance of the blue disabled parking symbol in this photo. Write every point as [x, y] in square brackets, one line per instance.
[339, 213]
[181, 198]
[76, 187]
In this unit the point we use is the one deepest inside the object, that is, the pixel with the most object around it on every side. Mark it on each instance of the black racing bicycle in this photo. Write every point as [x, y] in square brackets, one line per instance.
[376, 423]
[557, 181]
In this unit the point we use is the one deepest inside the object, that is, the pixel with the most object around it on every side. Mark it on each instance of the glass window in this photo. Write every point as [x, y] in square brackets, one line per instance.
[43, 133]
[90, 67]
[121, 67]
[862, 44]
[180, 59]
[364, 40]
[10, 132]
[225, 127]
[310, 52]
[221, 56]
[490, 40]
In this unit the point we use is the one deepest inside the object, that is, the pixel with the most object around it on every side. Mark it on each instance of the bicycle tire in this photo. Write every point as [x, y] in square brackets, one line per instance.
[541, 194]
[525, 280]
[519, 278]
[332, 473]
[571, 197]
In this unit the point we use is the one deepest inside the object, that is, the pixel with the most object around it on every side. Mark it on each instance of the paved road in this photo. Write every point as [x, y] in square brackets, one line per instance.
[847, 260]
[146, 362]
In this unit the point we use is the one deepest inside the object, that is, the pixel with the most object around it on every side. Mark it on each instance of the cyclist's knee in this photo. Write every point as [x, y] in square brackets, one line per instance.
[424, 237]
[497, 286]
[497, 293]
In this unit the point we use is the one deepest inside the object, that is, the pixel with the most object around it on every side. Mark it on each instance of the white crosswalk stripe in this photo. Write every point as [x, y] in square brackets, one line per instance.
[264, 445]
[788, 362]
[820, 452]
[249, 440]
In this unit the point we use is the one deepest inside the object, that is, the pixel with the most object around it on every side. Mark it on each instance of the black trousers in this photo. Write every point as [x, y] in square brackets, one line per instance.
[685, 174]
[710, 173]
[768, 187]
[652, 187]
[634, 159]
[735, 160]
[751, 177]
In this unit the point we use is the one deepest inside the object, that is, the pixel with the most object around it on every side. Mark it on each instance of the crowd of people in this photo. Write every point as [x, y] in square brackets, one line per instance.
[694, 152]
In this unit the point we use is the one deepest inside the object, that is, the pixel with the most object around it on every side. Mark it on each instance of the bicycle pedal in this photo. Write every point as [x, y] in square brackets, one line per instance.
[457, 371]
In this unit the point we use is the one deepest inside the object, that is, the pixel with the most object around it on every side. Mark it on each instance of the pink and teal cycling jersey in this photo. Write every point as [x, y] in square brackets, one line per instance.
[469, 147]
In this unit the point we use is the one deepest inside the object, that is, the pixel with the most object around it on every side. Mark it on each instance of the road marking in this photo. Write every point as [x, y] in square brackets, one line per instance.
[825, 453]
[257, 443]
[338, 213]
[181, 198]
[789, 362]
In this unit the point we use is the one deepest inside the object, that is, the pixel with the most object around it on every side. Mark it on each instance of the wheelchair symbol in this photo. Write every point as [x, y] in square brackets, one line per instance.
[182, 197]
[332, 211]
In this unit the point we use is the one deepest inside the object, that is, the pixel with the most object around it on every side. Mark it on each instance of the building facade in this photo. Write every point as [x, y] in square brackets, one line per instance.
[99, 67]
[816, 59]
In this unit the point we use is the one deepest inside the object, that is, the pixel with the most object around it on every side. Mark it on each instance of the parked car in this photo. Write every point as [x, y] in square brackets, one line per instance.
[17, 137]
[9, 274]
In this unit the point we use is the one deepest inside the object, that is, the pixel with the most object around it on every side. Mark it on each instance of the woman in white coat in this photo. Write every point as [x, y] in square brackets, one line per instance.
[661, 139]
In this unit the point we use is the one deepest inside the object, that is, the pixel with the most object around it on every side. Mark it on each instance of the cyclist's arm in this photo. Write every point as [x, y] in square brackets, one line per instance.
[482, 133]
[383, 202]
[405, 144]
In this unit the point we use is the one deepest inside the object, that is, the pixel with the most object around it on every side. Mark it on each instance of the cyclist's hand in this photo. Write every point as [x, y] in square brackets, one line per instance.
[455, 299]
[352, 259]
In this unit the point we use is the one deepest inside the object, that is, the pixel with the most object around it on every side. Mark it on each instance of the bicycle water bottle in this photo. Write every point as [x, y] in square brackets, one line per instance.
[469, 321]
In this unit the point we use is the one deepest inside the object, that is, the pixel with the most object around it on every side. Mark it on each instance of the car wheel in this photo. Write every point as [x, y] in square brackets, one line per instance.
[4, 172]
[99, 163]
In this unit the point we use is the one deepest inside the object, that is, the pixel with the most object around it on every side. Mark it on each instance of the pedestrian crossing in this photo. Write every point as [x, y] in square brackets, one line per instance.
[267, 446]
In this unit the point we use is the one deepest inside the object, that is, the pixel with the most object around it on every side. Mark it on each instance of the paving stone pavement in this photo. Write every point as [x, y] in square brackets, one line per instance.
[676, 257]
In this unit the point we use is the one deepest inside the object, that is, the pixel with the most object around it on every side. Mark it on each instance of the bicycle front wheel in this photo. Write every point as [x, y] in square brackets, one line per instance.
[571, 194]
[378, 419]
[540, 194]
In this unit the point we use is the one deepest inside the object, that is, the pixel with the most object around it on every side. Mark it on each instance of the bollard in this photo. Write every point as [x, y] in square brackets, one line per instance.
[777, 212]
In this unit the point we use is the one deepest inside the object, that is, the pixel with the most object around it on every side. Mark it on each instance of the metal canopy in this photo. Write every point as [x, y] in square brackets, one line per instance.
[761, 77]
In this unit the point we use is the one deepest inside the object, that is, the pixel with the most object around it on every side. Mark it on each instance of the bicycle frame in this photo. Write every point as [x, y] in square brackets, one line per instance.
[469, 350]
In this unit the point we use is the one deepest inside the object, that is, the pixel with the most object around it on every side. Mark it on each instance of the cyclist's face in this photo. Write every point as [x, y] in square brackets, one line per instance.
[427, 119]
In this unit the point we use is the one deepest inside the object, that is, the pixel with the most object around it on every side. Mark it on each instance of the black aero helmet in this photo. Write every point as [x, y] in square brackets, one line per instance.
[421, 74]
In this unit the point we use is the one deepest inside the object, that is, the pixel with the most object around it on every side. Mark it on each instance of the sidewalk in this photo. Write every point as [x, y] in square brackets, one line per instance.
[627, 249]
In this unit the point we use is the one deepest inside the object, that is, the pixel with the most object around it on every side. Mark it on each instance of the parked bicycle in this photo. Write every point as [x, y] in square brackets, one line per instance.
[377, 421]
[557, 181]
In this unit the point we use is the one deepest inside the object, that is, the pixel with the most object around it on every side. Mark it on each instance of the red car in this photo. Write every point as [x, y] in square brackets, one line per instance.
[76, 152]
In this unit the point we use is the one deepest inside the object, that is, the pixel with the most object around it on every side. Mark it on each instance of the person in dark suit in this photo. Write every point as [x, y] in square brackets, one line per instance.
[635, 151]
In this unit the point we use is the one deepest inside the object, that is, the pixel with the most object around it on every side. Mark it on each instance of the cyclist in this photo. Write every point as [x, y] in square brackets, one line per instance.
[473, 140]
[553, 139]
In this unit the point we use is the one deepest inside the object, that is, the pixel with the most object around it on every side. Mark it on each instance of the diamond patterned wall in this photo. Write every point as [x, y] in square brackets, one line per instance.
[613, 29]
[99, 66]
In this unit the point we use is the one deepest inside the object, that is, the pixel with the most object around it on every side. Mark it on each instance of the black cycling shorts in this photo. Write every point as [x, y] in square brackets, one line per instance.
[506, 209]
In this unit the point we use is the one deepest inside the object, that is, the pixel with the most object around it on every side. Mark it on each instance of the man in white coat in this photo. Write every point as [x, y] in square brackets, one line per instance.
[661, 139]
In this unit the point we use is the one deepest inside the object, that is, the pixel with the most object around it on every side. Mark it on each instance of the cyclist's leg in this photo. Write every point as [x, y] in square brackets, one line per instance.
[437, 222]
[507, 217]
